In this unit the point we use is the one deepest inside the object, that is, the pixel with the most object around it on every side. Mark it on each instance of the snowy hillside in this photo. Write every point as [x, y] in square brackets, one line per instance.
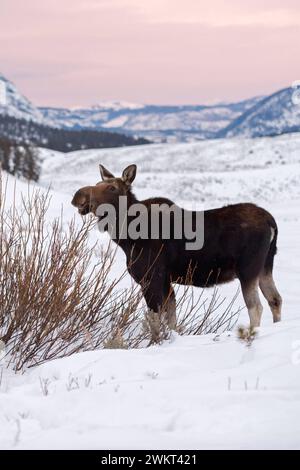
[259, 116]
[209, 172]
[22, 122]
[156, 123]
[194, 391]
[274, 115]
[14, 104]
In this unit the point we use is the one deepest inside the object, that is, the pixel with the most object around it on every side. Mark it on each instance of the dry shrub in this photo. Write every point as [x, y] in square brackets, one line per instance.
[202, 315]
[196, 314]
[52, 303]
[205, 315]
[56, 300]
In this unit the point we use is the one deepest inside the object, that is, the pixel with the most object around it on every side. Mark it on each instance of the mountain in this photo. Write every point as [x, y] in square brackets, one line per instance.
[21, 121]
[104, 123]
[274, 115]
[157, 123]
[17, 106]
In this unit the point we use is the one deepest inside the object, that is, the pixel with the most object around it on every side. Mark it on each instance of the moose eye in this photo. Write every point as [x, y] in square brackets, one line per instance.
[112, 188]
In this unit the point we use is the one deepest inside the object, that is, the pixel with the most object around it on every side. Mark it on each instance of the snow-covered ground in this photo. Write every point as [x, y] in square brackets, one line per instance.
[190, 392]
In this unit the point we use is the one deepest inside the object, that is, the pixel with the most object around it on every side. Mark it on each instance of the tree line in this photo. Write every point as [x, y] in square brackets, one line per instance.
[20, 160]
[63, 140]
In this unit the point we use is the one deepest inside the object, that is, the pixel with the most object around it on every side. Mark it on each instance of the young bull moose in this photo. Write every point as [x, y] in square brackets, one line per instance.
[239, 242]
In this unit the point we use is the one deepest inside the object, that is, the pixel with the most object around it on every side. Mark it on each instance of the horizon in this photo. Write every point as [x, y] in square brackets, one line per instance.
[71, 53]
[142, 104]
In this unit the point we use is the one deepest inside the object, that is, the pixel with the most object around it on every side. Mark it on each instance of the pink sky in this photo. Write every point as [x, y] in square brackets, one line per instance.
[79, 52]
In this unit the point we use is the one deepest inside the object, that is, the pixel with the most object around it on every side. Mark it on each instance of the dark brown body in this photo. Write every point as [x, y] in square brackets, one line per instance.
[239, 242]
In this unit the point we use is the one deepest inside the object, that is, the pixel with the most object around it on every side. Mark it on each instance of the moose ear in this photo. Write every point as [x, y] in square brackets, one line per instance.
[105, 174]
[129, 174]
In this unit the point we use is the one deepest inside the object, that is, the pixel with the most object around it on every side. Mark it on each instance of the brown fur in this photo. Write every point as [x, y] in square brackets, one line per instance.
[239, 242]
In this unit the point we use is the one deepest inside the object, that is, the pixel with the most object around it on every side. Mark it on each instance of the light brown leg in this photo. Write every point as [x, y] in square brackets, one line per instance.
[153, 325]
[270, 292]
[252, 301]
[170, 310]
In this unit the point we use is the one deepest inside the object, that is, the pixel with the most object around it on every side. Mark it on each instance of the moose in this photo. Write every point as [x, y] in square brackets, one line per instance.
[239, 243]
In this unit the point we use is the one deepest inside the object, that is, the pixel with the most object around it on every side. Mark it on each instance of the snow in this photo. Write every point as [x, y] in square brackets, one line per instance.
[3, 94]
[274, 115]
[118, 105]
[14, 104]
[193, 391]
[117, 122]
[158, 123]
[209, 172]
[190, 393]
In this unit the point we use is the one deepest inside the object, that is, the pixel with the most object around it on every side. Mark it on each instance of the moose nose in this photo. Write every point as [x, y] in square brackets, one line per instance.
[78, 199]
[73, 202]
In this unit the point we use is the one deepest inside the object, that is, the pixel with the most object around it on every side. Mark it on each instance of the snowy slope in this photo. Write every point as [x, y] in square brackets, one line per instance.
[14, 104]
[173, 123]
[21, 121]
[191, 392]
[157, 123]
[259, 116]
[215, 171]
[274, 115]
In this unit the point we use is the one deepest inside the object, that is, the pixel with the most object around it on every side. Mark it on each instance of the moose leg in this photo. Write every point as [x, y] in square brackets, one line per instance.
[160, 299]
[252, 301]
[153, 294]
[169, 309]
[270, 292]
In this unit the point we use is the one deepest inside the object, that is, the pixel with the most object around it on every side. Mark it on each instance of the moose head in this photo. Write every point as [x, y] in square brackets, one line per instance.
[107, 191]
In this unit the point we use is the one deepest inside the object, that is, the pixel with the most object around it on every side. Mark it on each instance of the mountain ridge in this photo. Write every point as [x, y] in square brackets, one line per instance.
[274, 114]
[155, 122]
[22, 122]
